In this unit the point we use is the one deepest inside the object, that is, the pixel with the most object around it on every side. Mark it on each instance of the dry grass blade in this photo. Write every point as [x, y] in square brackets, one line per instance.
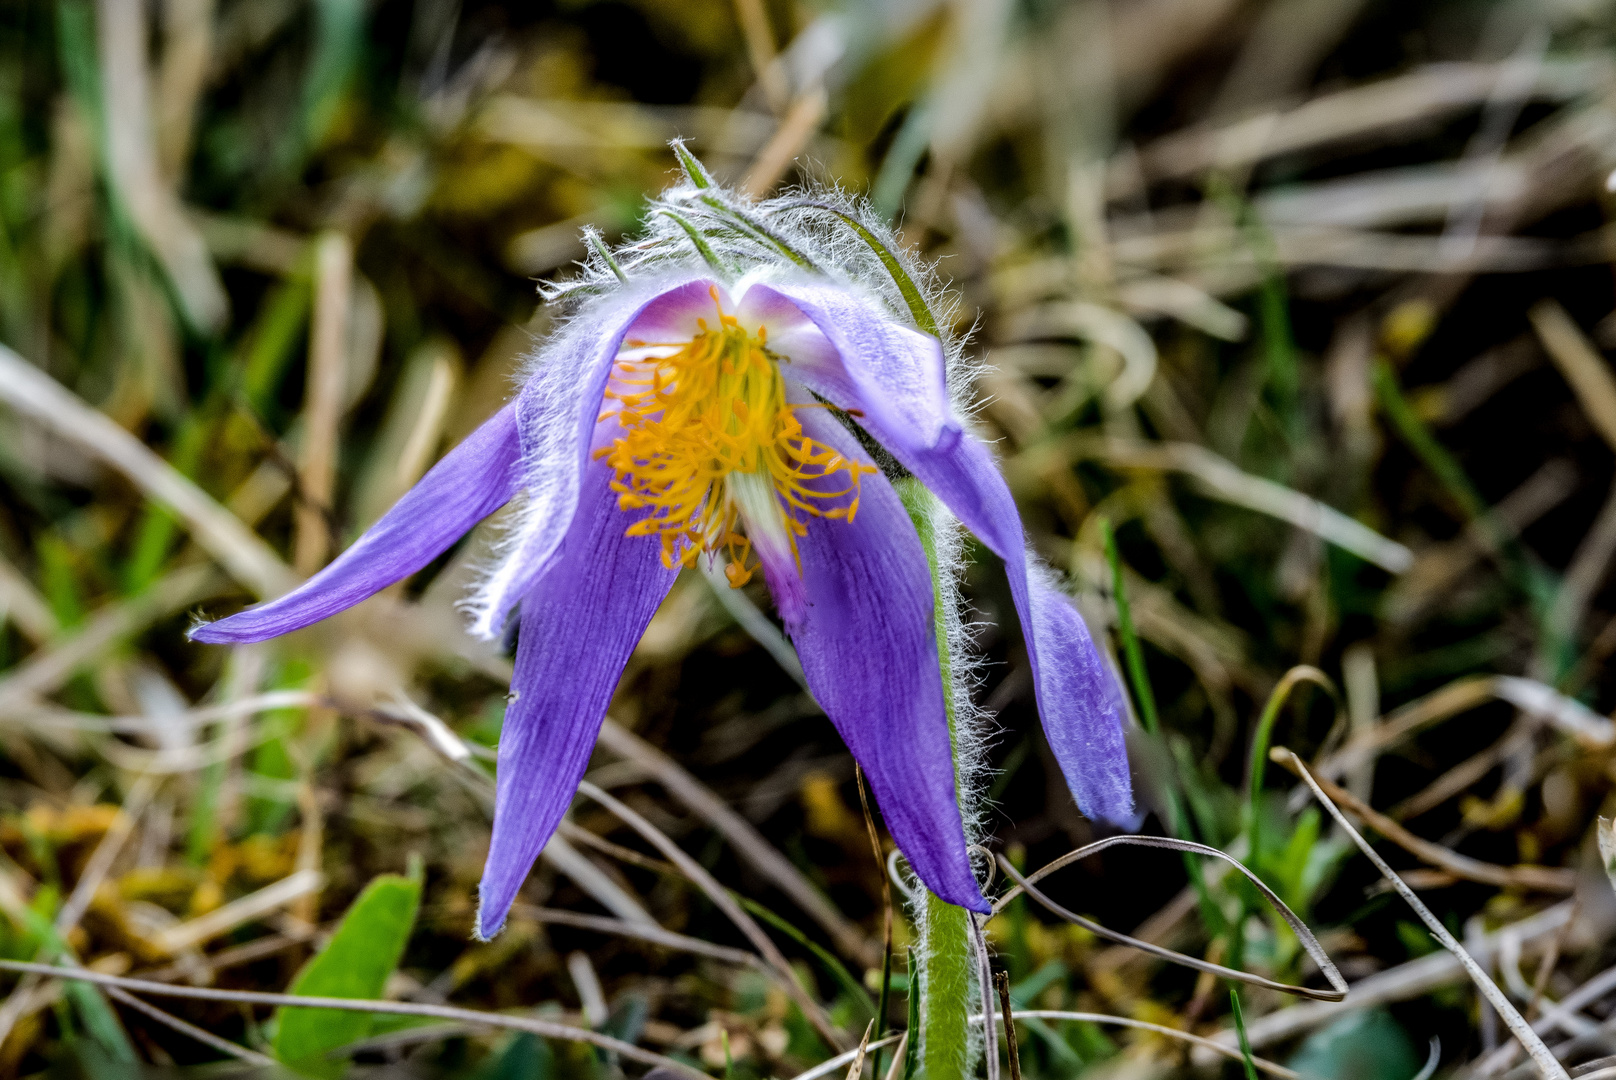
[45, 716]
[1315, 951]
[100, 864]
[1546, 1062]
[201, 1035]
[327, 370]
[544, 1028]
[760, 50]
[48, 669]
[240, 551]
[131, 152]
[23, 605]
[857, 1066]
[203, 969]
[1530, 696]
[1385, 107]
[1223, 480]
[898, 1052]
[796, 129]
[725, 903]
[884, 1001]
[825, 1068]
[250, 907]
[1403, 982]
[653, 934]
[1580, 363]
[1541, 878]
[749, 844]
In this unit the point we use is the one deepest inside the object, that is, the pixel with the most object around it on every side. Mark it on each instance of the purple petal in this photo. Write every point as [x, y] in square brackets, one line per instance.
[1081, 704]
[469, 483]
[1078, 699]
[868, 646]
[893, 377]
[891, 373]
[557, 413]
[580, 622]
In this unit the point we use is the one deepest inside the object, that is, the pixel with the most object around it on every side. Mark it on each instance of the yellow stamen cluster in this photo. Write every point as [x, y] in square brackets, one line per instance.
[714, 408]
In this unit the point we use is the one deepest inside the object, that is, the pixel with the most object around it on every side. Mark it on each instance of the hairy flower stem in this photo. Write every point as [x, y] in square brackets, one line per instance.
[945, 936]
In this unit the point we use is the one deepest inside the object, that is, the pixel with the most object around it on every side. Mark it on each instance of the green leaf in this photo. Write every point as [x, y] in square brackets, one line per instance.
[691, 165]
[526, 1057]
[1240, 1030]
[1367, 1045]
[356, 964]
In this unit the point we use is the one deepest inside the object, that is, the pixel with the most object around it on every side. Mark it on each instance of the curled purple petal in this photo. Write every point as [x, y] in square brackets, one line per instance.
[469, 483]
[890, 373]
[580, 621]
[868, 646]
[557, 412]
[893, 377]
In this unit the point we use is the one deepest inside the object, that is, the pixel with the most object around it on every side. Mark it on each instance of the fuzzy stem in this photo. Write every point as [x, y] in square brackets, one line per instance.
[946, 1005]
[945, 943]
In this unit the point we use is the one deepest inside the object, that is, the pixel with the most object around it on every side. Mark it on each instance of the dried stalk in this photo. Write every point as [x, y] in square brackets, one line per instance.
[543, 1028]
[1546, 1062]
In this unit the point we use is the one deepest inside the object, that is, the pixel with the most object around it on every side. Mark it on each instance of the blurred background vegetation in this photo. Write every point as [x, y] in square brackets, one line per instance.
[1310, 299]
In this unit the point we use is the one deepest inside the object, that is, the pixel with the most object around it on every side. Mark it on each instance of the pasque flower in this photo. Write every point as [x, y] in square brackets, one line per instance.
[743, 384]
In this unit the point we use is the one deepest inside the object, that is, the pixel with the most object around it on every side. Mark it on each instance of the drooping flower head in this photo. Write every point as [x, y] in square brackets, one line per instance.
[749, 382]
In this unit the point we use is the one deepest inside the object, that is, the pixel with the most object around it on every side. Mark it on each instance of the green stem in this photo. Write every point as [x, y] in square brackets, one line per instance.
[948, 991]
[945, 1052]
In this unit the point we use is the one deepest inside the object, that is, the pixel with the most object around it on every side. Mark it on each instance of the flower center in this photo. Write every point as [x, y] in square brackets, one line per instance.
[706, 432]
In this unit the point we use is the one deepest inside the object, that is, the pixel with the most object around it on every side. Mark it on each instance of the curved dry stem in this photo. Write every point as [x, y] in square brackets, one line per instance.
[1265, 1065]
[1315, 951]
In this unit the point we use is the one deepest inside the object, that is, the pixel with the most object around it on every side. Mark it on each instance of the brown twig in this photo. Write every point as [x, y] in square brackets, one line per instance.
[1002, 981]
[1540, 878]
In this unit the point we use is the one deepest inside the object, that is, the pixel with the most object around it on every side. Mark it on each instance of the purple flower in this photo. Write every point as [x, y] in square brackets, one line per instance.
[685, 418]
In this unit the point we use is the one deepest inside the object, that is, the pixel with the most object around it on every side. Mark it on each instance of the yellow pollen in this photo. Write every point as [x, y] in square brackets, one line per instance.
[714, 408]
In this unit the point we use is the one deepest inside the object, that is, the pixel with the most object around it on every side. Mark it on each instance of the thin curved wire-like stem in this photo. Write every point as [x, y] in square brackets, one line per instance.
[1265, 1065]
[1315, 951]
[201, 1035]
[1545, 1060]
[549, 1029]
[724, 902]
[984, 977]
